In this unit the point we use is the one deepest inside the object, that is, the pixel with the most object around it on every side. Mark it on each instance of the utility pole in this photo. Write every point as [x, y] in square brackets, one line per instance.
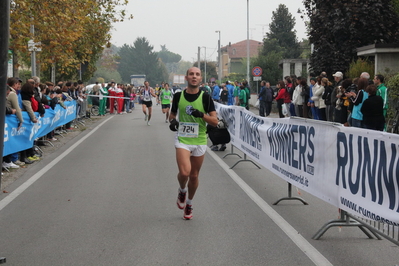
[4, 38]
[252, 33]
[33, 47]
[263, 29]
[205, 63]
[219, 60]
[199, 58]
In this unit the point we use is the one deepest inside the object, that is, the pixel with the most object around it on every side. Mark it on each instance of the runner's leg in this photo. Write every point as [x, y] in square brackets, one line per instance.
[184, 166]
[196, 163]
[149, 113]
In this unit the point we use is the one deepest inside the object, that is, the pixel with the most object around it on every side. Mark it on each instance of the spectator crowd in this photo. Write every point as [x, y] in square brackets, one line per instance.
[360, 102]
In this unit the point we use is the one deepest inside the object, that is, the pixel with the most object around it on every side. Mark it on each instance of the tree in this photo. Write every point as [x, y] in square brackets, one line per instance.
[269, 63]
[282, 30]
[268, 59]
[168, 57]
[141, 59]
[210, 70]
[337, 28]
[107, 66]
[65, 30]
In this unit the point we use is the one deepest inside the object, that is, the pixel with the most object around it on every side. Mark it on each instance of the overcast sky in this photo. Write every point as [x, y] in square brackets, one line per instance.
[184, 25]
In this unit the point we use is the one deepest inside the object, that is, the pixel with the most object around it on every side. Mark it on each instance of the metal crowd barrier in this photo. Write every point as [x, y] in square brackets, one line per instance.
[387, 231]
[370, 228]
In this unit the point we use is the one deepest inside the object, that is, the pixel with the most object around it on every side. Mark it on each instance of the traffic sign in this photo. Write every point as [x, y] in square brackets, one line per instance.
[257, 78]
[257, 71]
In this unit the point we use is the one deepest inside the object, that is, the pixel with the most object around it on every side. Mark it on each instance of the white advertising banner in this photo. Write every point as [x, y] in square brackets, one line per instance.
[354, 169]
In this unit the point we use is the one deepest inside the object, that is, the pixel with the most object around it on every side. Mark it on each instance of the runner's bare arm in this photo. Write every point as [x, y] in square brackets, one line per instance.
[152, 92]
[211, 118]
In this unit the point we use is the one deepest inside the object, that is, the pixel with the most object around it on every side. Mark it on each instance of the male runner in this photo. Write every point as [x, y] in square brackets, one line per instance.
[146, 93]
[165, 96]
[196, 109]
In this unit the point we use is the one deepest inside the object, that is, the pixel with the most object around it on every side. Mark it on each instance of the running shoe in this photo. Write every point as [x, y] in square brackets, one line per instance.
[166, 121]
[145, 117]
[148, 123]
[181, 200]
[188, 212]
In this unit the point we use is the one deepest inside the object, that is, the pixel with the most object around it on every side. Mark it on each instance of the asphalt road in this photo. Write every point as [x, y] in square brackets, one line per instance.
[108, 198]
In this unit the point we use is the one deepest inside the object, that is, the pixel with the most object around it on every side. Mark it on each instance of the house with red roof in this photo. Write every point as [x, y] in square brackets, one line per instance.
[233, 55]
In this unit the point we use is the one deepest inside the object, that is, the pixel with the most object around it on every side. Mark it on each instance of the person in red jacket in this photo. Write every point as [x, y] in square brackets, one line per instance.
[282, 98]
[112, 93]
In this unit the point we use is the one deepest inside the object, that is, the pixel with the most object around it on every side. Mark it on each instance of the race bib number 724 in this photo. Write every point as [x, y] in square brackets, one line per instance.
[188, 130]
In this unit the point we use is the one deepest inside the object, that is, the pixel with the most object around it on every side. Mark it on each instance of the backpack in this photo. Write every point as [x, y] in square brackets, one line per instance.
[35, 104]
[248, 92]
[327, 95]
[245, 100]
[218, 135]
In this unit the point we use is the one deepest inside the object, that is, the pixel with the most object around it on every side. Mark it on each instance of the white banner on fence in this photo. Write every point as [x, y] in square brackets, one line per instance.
[354, 169]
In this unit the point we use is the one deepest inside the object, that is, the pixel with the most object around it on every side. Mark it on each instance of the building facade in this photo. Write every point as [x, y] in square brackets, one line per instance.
[233, 55]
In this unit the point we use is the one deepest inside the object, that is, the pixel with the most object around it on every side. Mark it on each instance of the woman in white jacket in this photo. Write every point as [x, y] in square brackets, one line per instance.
[298, 99]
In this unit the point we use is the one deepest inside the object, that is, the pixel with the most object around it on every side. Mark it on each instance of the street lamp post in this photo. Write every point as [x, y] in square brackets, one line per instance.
[220, 60]
[205, 63]
[33, 55]
[248, 41]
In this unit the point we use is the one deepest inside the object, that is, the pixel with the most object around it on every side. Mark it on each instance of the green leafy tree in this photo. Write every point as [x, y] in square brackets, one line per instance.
[268, 59]
[338, 28]
[269, 64]
[236, 77]
[282, 30]
[168, 57]
[141, 59]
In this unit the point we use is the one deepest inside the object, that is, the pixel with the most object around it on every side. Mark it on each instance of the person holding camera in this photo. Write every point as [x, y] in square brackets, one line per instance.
[357, 99]
[195, 109]
[343, 104]
[338, 78]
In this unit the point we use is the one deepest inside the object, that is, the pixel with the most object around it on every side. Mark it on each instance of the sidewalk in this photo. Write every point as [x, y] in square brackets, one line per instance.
[13, 174]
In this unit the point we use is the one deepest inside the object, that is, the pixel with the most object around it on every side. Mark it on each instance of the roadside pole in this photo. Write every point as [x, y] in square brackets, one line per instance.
[4, 37]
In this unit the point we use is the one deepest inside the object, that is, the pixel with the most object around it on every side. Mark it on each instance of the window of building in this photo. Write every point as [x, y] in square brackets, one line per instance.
[292, 69]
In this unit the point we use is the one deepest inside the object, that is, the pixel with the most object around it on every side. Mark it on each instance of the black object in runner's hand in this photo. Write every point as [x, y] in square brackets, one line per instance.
[174, 125]
[197, 113]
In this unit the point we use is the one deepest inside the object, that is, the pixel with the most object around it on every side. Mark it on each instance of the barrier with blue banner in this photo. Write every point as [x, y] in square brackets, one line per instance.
[16, 140]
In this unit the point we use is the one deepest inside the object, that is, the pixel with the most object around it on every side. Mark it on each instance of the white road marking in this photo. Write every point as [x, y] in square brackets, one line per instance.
[290, 231]
[13, 195]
